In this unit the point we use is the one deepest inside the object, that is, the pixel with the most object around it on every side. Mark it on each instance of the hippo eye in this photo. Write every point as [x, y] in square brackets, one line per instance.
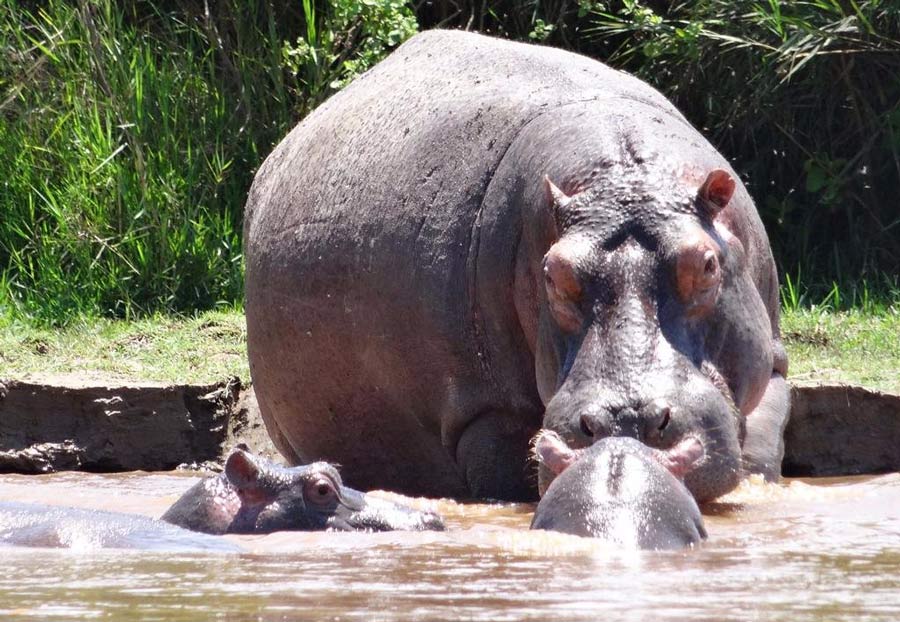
[320, 491]
[710, 268]
[698, 274]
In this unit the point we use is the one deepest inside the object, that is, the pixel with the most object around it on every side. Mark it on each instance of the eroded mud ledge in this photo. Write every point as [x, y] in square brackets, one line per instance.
[70, 423]
[841, 430]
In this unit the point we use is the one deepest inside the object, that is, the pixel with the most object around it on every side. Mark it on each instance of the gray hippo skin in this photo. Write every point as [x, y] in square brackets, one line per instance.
[621, 491]
[44, 526]
[253, 495]
[478, 238]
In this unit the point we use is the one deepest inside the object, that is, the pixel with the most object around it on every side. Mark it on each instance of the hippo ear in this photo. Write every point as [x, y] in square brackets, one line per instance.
[683, 458]
[551, 451]
[558, 200]
[241, 469]
[717, 190]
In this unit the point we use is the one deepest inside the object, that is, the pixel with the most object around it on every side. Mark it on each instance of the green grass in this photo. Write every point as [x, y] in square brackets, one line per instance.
[127, 145]
[130, 132]
[184, 350]
[824, 345]
[843, 346]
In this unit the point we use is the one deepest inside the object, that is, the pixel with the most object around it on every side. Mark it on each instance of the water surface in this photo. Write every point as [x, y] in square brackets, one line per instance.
[823, 550]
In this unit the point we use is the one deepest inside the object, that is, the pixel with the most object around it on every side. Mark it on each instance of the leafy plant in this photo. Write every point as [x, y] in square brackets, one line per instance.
[343, 41]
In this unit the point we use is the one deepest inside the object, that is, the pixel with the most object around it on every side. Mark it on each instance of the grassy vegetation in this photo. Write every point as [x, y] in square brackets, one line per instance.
[130, 131]
[852, 346]
[123, 165]
[202, 349]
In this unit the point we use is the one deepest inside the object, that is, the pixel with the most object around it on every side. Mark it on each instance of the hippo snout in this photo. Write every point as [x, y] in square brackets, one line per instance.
[358, 511]
[643, 422]
[660, 413]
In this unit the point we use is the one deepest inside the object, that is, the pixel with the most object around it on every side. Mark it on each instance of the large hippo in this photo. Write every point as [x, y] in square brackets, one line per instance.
[477, 238]
[621, 491]
[254, 495]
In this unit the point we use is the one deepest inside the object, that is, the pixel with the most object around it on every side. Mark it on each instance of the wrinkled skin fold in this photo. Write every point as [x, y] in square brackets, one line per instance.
[479, 238]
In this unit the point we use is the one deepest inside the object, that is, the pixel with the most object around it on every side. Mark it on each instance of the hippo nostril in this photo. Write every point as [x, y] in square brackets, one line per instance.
[665, 415]
[586, 426]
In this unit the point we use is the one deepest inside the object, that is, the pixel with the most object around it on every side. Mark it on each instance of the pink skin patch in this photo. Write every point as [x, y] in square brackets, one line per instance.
[683, 457]
[552, 452]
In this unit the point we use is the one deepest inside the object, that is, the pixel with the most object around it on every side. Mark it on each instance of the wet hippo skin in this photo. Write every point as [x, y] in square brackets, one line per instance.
[254, 495]
[621, 491]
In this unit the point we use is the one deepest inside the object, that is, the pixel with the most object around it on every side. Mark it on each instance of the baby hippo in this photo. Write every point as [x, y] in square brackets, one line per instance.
[254, 495]
[620, 490]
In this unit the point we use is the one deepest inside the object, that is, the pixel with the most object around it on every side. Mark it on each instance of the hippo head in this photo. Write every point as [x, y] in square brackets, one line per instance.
[621, 491]
[650, 324]
[310, 498]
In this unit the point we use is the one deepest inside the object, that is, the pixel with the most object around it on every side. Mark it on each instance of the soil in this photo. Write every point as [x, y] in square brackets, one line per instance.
[91, 423]
[838, 430]
[75, 422]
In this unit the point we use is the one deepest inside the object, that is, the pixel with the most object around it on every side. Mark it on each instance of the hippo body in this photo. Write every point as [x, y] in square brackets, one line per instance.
[253, 495]
[621, 491]
[43, 526]
[478, 237]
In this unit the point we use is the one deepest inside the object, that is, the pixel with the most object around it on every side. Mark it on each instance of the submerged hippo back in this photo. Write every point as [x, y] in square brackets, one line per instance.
[617, 491]
[42, 526]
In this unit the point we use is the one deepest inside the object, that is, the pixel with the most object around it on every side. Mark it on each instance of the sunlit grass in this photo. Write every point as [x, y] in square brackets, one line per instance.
[853, 346]
[205, 348]
[127, 154]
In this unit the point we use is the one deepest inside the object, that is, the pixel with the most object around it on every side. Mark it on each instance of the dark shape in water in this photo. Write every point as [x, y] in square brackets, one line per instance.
[622, 491]
[45, 526]
[254, 495]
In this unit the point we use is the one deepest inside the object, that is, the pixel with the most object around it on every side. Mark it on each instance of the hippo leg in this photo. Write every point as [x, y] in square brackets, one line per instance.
[763, 448]
[493, 454]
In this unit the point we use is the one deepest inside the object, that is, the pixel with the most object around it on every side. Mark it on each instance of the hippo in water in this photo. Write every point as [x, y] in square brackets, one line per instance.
[479, 238]
[45, 526]
[254, 495]
[622, 491]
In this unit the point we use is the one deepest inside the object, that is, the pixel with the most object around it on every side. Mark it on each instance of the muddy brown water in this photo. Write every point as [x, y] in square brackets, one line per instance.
[822, 550]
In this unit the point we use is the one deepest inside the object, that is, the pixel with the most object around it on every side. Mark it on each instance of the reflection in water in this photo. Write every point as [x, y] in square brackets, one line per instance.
[814, 550]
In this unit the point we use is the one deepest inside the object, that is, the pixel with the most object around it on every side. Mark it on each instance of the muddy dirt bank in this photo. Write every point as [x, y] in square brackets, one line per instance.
[73, 423]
